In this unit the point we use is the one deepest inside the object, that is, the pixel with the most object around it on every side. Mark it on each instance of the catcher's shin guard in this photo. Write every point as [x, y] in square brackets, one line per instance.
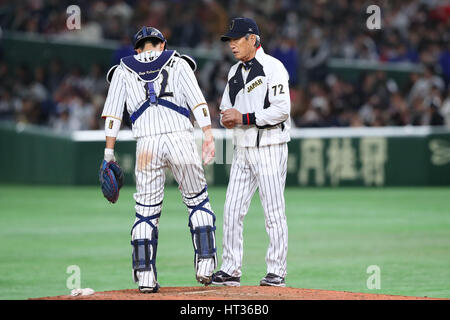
[144, 235]
[203, 239]
[203, 235]
[144, 254]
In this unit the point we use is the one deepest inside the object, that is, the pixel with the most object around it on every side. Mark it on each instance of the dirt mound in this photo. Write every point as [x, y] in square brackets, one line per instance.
[233, 293]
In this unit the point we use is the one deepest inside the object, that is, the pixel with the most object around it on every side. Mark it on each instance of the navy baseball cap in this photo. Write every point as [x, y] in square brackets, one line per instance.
[239, 27]
[145, 33]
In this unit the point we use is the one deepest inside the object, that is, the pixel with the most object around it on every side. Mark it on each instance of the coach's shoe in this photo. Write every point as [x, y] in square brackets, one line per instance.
[273, 280]
[149, 289]
[222, 278]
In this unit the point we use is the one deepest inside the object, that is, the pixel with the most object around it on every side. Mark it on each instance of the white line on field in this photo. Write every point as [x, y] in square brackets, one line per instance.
[194, 292]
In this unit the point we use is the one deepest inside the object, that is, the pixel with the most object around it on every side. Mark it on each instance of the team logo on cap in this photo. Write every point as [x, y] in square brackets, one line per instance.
[231, 24]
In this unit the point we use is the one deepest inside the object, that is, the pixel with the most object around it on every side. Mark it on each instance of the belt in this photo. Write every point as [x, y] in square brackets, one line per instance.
[268, 126]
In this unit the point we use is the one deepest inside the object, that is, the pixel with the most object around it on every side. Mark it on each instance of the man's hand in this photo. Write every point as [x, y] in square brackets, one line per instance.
[231, 118]
[208, 147]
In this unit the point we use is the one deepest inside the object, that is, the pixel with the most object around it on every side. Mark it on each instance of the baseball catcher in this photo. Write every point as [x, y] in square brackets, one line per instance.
[159, 88]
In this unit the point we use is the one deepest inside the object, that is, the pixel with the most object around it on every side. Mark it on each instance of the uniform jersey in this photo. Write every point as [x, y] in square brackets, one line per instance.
[176, 83]
[259, 89]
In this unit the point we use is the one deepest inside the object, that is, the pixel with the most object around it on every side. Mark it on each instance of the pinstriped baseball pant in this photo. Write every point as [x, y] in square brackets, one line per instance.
[263, 168]
[178, 152]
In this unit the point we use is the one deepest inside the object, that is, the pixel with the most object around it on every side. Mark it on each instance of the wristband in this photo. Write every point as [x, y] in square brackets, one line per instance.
[109, 155]
[201, 115]
[248, 118]
[112, 127]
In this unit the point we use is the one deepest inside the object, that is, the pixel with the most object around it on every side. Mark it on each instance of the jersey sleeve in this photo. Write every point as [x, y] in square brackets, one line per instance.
[117, 95]
[226, 102]
[278, 96]
[192, 94]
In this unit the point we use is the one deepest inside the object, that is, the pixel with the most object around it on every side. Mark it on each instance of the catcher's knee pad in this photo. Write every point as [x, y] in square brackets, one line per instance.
[148, 220]
[144, 253]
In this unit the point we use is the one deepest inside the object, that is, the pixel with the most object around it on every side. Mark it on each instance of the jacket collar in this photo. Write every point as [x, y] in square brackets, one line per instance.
[259, 54]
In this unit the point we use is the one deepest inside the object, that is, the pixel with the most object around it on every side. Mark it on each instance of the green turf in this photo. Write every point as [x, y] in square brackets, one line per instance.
[334, 235]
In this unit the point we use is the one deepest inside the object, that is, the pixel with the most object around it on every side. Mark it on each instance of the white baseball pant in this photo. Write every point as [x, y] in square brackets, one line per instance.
[263, 168]
[178, 152]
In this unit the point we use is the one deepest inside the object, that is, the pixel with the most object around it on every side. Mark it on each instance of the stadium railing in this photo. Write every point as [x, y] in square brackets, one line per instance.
[387, 156]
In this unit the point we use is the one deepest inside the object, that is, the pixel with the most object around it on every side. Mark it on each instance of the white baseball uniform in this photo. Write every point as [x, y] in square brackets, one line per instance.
[164, 140]
[259, 89]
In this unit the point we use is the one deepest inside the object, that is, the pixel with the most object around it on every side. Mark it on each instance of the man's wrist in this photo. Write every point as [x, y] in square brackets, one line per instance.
[206, 128]
[109, 155]
[248, 118]
[208, 136]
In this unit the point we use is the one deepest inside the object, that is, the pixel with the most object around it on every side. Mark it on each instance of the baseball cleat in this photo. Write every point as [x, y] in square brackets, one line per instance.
[224, 279]
[273, 280]
[149, 289]
[204, 280]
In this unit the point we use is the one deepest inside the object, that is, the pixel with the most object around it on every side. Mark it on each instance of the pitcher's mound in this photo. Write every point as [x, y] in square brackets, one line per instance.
[234, 293]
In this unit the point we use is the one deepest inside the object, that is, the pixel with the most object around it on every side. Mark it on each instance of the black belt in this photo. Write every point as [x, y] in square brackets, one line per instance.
[267, 126]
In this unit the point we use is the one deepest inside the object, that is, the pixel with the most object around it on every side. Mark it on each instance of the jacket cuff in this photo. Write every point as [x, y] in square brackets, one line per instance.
[248, 118]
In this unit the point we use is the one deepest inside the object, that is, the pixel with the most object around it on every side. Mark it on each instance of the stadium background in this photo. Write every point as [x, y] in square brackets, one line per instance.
[369, 108]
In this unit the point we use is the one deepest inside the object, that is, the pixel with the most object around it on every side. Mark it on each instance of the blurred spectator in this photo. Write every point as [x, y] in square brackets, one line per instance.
[445, 109]
[125, 49]
[287, 53]
[7, 105]
[315, 55]
[55, 74]
[422, 87]
[444, 63]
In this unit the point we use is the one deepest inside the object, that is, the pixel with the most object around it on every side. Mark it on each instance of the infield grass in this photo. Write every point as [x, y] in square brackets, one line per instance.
[334, 236]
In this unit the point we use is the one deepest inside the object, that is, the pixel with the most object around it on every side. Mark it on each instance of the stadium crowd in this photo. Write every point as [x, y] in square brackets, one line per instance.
[304, 35]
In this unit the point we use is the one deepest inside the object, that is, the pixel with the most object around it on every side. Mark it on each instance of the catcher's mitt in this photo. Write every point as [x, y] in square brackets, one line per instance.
[111, 180]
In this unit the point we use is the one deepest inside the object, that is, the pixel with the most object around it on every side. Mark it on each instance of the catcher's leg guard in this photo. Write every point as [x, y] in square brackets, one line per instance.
[144, 254]
[145, 248]
[204, 242]
[202, 225]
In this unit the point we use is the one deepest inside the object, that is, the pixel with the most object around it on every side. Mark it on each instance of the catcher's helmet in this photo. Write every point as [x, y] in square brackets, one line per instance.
[148, 32]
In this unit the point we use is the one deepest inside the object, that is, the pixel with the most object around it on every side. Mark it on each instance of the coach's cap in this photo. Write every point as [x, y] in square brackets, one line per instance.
[145, 33]
[239, 27]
